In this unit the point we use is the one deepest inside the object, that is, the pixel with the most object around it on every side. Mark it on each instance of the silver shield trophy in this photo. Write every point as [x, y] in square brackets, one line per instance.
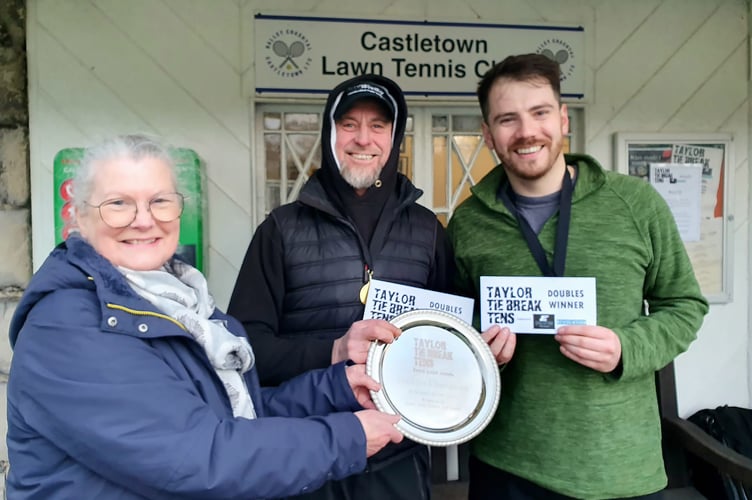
[439, 376]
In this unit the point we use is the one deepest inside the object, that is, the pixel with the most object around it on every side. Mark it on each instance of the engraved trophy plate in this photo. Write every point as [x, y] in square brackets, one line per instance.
[439, 376]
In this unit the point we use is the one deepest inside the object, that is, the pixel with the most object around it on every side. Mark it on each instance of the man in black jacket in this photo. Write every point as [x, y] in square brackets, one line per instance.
[298, 291]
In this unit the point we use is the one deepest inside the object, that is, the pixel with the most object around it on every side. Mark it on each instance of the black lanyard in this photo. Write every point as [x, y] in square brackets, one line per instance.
[562, 229]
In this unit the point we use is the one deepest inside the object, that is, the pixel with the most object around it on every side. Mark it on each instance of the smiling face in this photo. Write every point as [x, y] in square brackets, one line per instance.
[145, 244]
[363, 144]
[526, 127]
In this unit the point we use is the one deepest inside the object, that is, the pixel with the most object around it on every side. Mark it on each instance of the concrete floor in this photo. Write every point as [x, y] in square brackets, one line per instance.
[454, 490]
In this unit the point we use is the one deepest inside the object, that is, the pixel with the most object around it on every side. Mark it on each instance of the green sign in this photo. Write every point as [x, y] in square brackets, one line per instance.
[188, 168]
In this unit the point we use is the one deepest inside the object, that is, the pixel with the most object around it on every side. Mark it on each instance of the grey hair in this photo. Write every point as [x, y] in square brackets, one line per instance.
[132, 146]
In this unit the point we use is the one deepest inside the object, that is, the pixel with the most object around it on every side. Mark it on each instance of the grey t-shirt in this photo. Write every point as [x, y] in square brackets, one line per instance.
[537, 210]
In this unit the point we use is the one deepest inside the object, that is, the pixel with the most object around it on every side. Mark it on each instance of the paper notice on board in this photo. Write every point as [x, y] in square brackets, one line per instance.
[711, 159]
[681, 186]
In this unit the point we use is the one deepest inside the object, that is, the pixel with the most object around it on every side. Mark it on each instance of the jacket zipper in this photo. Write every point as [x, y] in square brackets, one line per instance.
[136, 312]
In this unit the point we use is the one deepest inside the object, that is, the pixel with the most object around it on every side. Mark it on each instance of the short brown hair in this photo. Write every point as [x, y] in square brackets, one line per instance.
[521, 68]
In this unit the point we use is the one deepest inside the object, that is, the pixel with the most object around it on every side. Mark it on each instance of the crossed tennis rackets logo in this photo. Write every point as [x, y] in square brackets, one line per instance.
[290, 53]
[560, 51]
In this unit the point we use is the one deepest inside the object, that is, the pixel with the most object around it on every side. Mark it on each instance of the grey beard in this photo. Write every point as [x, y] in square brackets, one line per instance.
[358, 178]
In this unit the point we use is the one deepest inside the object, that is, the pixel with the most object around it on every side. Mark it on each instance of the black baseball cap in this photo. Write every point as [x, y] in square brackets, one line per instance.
[366, 90]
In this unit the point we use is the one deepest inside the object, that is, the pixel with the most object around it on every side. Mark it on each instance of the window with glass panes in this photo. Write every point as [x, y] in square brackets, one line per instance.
[290, 141]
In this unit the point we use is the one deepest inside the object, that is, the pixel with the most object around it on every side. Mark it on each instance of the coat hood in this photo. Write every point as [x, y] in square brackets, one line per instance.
[341, 96]
[54, 274]
[74, 265]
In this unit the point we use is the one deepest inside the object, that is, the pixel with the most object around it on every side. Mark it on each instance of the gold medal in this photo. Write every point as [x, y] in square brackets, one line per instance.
[364, 292]
[364, 288]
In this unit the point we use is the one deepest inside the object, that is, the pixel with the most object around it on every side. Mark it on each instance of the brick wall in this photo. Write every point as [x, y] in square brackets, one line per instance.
[15, 247]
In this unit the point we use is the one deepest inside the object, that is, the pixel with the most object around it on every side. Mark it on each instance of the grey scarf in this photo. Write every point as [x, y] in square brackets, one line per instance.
[180, 291]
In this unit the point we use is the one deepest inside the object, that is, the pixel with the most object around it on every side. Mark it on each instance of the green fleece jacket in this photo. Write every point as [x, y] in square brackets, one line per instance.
[561, 425]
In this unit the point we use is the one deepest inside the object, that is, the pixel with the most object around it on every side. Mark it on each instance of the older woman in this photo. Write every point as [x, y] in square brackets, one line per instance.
[128, 383]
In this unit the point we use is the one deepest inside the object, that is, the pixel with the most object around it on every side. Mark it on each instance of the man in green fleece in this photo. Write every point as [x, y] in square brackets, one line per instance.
[578, 415]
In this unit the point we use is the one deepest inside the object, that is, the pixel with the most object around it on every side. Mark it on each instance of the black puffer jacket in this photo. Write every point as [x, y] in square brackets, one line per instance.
[298, 287]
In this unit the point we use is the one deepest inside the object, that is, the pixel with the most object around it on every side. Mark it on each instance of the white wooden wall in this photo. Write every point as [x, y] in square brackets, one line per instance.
[183, 69]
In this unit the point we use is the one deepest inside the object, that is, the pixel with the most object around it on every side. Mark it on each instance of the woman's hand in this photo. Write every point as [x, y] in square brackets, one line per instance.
[379, 429]
[361, 385]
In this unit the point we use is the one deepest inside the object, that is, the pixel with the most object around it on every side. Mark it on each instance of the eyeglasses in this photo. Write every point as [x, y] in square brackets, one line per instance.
[121, 212]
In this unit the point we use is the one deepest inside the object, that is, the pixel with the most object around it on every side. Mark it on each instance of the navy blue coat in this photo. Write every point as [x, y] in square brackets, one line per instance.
[108, 398]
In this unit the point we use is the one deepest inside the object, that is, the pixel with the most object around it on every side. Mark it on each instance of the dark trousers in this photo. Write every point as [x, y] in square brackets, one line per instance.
[489, 483]
[404, 477]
